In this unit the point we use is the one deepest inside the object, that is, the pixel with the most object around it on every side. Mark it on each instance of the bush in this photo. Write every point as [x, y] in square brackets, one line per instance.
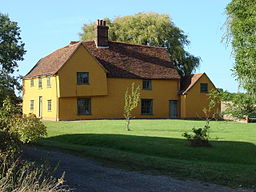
[28, 128]
[200, 136]
[8, 143]
[16, 174]
[24, 128]
[23, 176]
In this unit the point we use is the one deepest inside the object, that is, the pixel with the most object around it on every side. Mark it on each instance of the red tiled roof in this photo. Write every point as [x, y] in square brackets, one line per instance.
[120, 60]
[188, 82]
[50, 64]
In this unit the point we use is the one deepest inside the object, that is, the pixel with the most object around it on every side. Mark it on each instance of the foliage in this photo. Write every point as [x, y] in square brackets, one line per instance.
[8, 143]
[214, 97]
[239, 105]
[241, 25]
[11, 51]
[25, 129]
[131, 102]
[23, 176]
[150, 29]
[200, 136]
[28, 128]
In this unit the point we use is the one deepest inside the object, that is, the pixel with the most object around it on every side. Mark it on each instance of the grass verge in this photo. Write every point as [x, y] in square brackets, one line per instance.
[157, 145]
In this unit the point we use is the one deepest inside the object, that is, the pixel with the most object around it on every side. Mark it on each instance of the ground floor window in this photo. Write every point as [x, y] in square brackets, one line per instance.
[32, 104]
[49, 104]
[146, 106]
[84, 106]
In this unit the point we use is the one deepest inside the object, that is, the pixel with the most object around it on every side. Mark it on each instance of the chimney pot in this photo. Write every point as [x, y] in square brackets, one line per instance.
[101, 34]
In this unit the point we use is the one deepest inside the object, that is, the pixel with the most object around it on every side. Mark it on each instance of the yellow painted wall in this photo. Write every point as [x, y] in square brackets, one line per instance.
[33, 93]
[107, 94]
[183, 106]
[194, 101]
[111, 106]
[82, 61]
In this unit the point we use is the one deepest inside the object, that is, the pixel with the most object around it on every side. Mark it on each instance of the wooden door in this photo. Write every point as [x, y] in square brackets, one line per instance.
[173, 109]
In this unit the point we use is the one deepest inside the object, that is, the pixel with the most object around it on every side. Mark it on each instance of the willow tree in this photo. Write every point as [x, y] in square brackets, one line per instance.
[241, 25]
[150, 29]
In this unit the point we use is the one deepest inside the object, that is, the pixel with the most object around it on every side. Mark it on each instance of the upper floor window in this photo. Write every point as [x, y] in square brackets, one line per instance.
[146, 84]
[31, 82]
[40, 83]
[204, 87]
[49, 105]
[146, 106]
[48, 82]
[82, 78]
[32, 104]
[84, 106]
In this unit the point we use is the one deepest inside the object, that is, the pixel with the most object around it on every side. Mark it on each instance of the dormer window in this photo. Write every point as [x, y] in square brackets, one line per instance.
[146, 84]
[82, 78]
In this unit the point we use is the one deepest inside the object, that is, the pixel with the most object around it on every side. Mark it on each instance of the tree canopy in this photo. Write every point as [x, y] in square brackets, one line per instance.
[11, 51]
[150, 29]
[241, 25]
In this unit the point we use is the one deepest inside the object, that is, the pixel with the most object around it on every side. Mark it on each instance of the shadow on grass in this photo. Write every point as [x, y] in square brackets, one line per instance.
[221, 151]
[226, 162]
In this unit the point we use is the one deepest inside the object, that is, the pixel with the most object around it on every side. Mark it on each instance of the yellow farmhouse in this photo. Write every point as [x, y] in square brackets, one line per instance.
[88, 80]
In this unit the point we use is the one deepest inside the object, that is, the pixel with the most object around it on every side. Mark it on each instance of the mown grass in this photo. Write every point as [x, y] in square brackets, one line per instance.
[158, 145]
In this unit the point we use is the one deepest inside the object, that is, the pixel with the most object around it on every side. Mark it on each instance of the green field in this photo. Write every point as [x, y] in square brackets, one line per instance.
[157, 145]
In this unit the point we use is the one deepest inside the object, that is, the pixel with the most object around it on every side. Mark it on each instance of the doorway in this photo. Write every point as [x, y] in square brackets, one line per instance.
[173, 109]
[40, 107]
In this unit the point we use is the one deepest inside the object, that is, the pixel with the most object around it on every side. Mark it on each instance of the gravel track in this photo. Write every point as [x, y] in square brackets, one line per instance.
[86, 175]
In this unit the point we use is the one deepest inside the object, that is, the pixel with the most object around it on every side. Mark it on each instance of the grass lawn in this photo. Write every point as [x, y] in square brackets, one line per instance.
[158, 145]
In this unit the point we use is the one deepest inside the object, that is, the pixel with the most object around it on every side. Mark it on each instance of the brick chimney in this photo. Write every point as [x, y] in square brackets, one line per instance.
[101, 35]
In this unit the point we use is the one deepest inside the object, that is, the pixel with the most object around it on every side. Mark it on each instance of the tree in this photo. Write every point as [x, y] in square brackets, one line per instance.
[11, 51]
[241, 26]
[150, 29]
[239, 105]
[131, 102]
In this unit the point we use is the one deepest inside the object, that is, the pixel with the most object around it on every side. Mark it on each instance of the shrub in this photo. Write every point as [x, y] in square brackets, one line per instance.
[28, 128]
[23, 176]
[24, 128]
[8, 143]
[200, 136]
[7, 112]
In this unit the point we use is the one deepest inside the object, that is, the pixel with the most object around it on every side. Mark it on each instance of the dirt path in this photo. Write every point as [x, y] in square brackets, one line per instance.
[85, 175]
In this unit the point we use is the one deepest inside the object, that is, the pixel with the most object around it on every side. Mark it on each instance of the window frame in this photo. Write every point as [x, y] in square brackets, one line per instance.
[150, 107]
[145, 81]
[89, 106]
[48, 80]
[32, 83]
[40, 83]
[78, 82]
[49, 103]
[204, 89]
[32, 105]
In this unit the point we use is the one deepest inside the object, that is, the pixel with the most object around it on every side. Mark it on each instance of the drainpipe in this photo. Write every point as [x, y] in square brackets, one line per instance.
[57, 99]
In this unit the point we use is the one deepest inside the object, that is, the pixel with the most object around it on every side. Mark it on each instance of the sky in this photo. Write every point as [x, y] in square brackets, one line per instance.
[51, 24]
